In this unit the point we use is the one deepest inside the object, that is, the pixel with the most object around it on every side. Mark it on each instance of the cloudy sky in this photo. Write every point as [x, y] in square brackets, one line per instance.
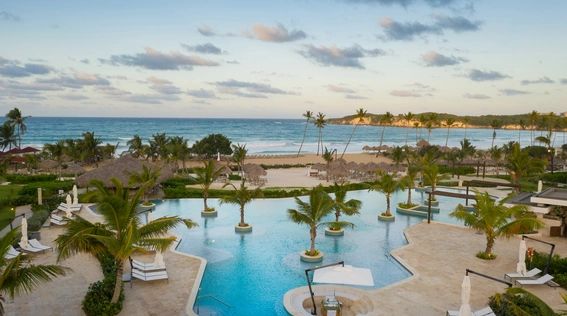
[279, 58]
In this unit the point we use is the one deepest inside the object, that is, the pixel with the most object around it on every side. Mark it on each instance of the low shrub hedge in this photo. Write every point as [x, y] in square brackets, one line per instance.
[25, 179]
[557, 268]
[457, 170]
[234, 177]
[558, 177]
[519, 302]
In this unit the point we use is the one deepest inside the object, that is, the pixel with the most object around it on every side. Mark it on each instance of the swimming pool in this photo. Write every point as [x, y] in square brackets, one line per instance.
[248, 274]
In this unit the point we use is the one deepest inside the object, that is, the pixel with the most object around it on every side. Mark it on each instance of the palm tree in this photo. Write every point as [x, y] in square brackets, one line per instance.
[158, 146]
[120, 234]
[17, 120]
[136, 146]
[496, 220]
[431, 175]
[342, 207]
[147, 179]
[408, 183]
[238, 156]
[7, 136]
[308, 115]
[422, 122]
[466, 120]
[416, 125]
[448, 123]
[359, 116]
[328, 157]
[398, 155]
[241, 196]
[533, 118]
[178, 149]
[496, 155]
[408, 117]
[495, 124]
[320, 123]
[387, 185]
[72, 149]
[56, 152]
[311, 213]
[385, 120]
[432, 120]
[19, 275]
[89, 147]
[520, 164]
[205, 177]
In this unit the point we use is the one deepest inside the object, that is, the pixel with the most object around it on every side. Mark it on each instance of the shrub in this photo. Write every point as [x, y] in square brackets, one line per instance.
[557, 268]
[37, 219]
[458, 170]
[99, 294]
[25, 179]
[234, 177]
[211, 145]
[484, 256]
[559, 177]
[518, 302]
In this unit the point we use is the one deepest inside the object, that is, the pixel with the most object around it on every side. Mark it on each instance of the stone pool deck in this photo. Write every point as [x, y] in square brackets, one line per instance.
[437, 255]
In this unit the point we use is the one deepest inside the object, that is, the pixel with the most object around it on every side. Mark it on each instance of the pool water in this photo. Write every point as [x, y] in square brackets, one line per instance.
[248, 274]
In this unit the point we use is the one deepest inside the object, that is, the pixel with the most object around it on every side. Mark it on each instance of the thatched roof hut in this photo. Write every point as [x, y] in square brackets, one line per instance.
[121, 169]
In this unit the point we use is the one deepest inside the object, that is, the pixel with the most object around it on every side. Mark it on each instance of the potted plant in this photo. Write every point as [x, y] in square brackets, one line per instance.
[349, 208]
[387, 185]
[241, 196]
[311, 214]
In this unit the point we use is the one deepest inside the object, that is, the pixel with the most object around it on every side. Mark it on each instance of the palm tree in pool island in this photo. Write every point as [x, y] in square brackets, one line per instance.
[408, 183]
[308, 115]
[496, 220]
[241, 196]
[359, 117]
[341, 207]
[387, 185]
[311, 213]
[19, 275]
[206, 175]
[120, 234]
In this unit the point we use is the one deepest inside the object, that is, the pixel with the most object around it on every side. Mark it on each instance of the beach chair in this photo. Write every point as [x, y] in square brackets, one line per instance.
[145, 266]
[530, 274]
[73, 208]
[36, 244]
[12, 253]
[57, 220]
[28, 248]
[539, 281]
[149, 276]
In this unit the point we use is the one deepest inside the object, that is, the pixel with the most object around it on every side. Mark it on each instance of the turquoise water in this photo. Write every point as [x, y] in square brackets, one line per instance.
[250, 273]
[266, 136]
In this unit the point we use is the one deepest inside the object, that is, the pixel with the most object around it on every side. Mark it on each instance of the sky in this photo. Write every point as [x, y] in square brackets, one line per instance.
[277, 59]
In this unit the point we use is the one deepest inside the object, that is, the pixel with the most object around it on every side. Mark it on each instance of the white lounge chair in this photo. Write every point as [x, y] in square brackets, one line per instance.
[28, 248]
[36, 244]
[487, 311]
[57, 220]
[146, 267]
[149, 276]
[73, 208]
[539, 281]
[530, 274]
[12, 253]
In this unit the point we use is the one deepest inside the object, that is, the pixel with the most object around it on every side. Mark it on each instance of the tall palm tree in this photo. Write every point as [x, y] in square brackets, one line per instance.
[449, 122]
[135, 146]
[18, 275]
[385, 120]
[328, 157]
[422, 122]
[432, 175]
[308, 115]
[496, 154]
[17, 120]
[56, 152]
[73, 149]
[359, 116]
[120, 234]
[466, 120]
[495, 124]
[416, 125]
[178, 149]
[241, 196]
[387, 185]
[432, 121]
[496, 220]
[7, 136]
[147, 179]
[89, 149]
[158, 146]
[320, 123]
[519, 164]
[533, 119]
[311, 213]
[522, 127]
[205, 177]
[408, 117]
[239, 153]
[342, 207]
[408, 183]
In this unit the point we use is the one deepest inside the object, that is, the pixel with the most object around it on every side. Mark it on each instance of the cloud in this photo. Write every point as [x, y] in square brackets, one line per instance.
[563, 81]
[513, 92]
[206, 30]
[163, 86]
[10, 17]
[206, 48]
[14, 69]
[537, 81]
[76, 81]
[339, 89]
[248, 89]
[355, 97]
[147, 98]
[202, 94]
[156, 60]
[232, 62]
[277, 34]
[434, 59]
[405, 93]
[477, 96]
[73, 97]
[407, 31]
[340, 57]
[406, 3]
[481, 75]
[112, 91]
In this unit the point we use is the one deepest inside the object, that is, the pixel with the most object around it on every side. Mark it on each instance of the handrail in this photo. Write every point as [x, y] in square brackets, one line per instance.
[216, 299]
[467, 271]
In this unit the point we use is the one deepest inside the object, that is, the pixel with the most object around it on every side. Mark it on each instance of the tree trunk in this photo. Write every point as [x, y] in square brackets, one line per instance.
[416, 140]
[349, 139]
[447, 138]
[242, 215]
[429, 136]
[409, 195]
[118, 282]
[205, 195]
[489, 245]
[313, 233]
[382, 136]
[388, 213]
[337, 215]
[303, 140]
[319, 141]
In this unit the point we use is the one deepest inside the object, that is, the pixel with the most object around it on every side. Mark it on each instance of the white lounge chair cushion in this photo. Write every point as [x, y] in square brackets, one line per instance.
[29, 248]
[530, 274]
[73, 208]
[36, 244]
[149, 276]
[11, 253]
[541, 280]
[143, 266]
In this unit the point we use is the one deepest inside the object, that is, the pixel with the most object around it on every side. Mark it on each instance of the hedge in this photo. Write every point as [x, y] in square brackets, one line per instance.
[24, 179]
[558, 177]
[519, 302]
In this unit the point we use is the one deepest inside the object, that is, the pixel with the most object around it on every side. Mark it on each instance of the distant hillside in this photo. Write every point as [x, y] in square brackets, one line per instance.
[516, 121]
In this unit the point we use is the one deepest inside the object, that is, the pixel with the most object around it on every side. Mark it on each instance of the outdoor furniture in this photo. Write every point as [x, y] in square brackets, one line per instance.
[487, 311]
[530, 274]
[539, 281]
[12, 253]
[28, 248]
[57, 220]
[330, 306]
[36, 244]
[149, 276]
[64, 207]
[146, 267]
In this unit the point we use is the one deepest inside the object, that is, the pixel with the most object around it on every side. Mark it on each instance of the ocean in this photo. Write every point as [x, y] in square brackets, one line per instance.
[261, 136]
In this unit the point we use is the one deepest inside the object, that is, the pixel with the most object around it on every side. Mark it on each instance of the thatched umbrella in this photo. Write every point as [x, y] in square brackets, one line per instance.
[121, 169]
[352, 166]
[73, 168]
[48, 165]
[422, 143]
[319, 167]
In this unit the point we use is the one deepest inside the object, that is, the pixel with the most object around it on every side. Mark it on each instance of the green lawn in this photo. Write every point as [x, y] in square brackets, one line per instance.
[7, 192]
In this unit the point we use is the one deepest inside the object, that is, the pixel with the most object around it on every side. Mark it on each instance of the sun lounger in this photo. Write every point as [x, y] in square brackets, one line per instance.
[530, 274]
[36, 244]
[146, 267]
[11, 253]
[487, 311]
[149, 276]
[64, 207]
[57, 220]
[539, 281]
[28, 248]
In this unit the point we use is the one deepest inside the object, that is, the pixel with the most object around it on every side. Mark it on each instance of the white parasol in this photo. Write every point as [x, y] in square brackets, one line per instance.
[521, 266]
[465, 309]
